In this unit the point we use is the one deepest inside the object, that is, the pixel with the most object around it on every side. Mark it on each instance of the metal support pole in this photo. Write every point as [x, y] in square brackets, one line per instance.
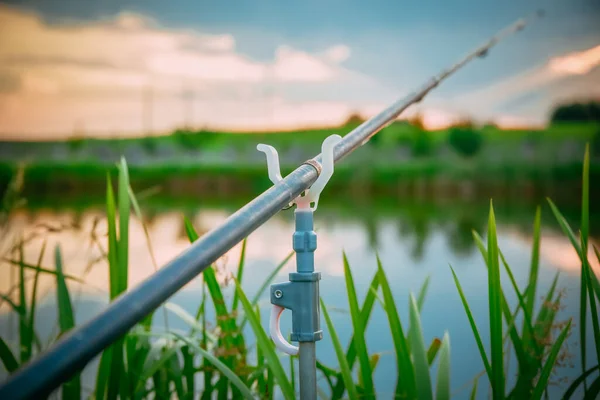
[301, 296]
[305, 264]
[308, 370]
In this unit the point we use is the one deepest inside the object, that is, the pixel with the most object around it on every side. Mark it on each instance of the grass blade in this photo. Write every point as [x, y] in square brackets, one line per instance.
[188, 370]
[594, 390]
[595, 280]
[549, 365]
[188, 319]
[573, 387]
[585, 202]
[583, 288]
[7, 357]
[564, 225]
[423, 294]
[33, 301]
[442, 391]
[495, 306]
[240, 273]
[345, 369]
[359, 333]
[138, 213]
[23, 329]
[527, 322]
[123, 241]
[43, 270]
[293, 373]
[175, 375]
[365, 314]
[266, 284]
[65, 310]
[233, 378]
[270, 278]
[328, 373]
[190, 230]
[534, 268]
[233, 341]
[72, 388]
[156, 359]
[419, 353]
[103, 373]
[587, 272]
[118, 265]
[406, 385]
[113, 265]
[433, 350]
[473, 395]
[484, 358]
[480, 245]
[16, 307]
[266, 346]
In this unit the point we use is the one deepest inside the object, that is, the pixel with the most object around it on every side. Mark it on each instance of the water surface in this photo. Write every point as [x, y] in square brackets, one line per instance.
[413, 242]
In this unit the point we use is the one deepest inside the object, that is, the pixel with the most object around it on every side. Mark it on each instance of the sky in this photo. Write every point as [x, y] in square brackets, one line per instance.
[109, 68]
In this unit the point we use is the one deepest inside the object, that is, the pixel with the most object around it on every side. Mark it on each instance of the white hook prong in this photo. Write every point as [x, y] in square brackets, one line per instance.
[275, 330]
[326, 169]
[272, 162]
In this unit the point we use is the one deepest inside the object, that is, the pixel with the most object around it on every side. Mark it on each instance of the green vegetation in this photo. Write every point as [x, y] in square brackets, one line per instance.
[577, 112]
[147, 363]
[465, 140]
[403, 153]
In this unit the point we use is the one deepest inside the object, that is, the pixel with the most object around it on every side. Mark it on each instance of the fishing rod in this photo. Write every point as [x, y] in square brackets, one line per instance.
[68, 355]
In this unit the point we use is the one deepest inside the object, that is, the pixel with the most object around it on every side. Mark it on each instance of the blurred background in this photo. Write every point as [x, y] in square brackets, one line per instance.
[184, 91]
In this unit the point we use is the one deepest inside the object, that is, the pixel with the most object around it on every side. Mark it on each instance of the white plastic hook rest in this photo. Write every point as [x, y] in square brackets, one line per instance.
[312, 194]
[275, 330]
[272, 162]
[326, 169]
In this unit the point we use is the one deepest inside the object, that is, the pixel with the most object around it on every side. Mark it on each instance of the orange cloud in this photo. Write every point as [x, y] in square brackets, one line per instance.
[579, 63]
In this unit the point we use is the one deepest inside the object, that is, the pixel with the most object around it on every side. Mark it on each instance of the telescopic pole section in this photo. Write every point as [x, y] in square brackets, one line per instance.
[308, 329]
[74, 350]
[307, 370]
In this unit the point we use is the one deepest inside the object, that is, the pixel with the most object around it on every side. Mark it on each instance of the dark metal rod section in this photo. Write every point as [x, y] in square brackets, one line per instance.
[73, 351]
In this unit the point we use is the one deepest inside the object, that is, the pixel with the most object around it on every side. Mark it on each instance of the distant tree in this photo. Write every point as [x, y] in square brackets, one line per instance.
[465, 140]
[464, 122]
[417, 121]
[76, 143]
[489, 125]
[354, 119]
[186, 139]
[150, 144]
[422, 145]
[576, 112]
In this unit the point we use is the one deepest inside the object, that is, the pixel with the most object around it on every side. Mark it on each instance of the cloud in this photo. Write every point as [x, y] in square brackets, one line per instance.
[337, 54]
[576, 64]
[579, 63]
[99, 72]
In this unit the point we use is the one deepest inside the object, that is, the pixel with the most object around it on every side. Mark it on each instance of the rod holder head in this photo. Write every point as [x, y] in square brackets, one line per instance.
[324, 169]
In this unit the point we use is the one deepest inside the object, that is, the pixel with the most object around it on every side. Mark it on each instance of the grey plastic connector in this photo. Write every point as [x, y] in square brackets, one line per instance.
[301, 297]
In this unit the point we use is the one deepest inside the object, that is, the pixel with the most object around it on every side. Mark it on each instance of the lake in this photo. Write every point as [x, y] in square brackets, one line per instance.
[414, 239]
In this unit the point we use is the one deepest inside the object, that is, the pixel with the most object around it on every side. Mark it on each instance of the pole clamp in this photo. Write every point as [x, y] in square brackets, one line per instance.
[324, 171]
[301, 296]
